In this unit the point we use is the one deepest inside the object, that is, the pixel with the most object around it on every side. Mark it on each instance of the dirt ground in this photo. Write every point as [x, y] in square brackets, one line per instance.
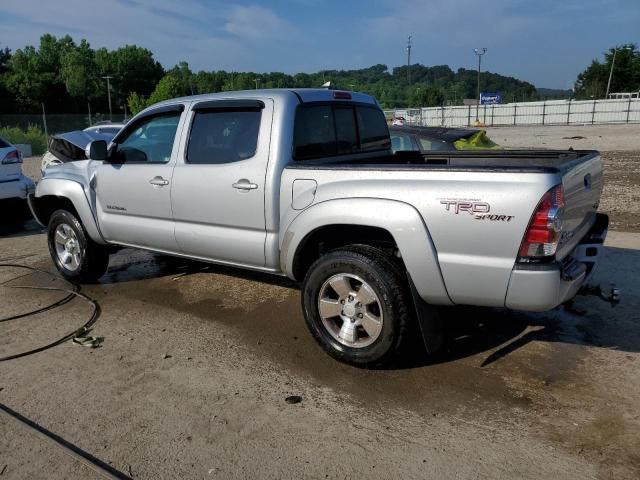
[197, 362]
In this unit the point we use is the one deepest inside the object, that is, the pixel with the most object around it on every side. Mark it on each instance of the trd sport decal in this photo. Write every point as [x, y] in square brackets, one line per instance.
[479, 210]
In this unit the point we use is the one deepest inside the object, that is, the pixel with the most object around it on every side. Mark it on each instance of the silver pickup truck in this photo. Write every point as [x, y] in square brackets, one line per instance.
[303, 183]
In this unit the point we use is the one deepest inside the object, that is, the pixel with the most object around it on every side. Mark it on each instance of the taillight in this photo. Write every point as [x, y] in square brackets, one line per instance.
[543, 234]
[13, 156]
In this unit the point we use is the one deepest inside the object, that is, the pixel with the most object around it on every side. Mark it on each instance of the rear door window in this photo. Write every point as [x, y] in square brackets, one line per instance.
[223, 136]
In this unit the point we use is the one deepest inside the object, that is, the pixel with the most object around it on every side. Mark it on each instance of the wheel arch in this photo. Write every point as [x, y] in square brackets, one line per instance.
[57, 194]
[389, 224]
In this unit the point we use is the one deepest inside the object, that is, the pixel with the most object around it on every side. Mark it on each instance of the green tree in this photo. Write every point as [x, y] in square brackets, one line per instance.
[592, 82]
[79, 71]
[168, 87]
[426, 97]
[133, 69]
[136, 103]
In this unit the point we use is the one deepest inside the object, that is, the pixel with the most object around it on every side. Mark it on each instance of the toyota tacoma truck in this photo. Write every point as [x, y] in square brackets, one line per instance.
[303, 183]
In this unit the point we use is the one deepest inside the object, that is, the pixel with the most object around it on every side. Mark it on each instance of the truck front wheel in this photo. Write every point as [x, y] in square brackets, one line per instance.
[355, 302]
[76, 256]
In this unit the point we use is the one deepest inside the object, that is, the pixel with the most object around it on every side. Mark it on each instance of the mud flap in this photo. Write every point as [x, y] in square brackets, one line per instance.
[590, 247]
[429, 321]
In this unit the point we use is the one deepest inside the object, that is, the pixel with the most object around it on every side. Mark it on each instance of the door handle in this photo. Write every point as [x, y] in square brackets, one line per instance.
[159, 181]
[244, 184]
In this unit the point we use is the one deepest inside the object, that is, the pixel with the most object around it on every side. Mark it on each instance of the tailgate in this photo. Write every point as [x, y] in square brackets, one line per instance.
[582, 181]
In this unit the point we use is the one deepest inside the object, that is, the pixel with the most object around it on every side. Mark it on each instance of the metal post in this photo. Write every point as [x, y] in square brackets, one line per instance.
[89, 107]
[628, 108]
[593, 112]
[442, 115]
[479, 52]
[544, 111]
[469, 117]
[493, 107]
[569, 113]
[108, 78]
[515, 113]
[44, 122]
[484, 114]
[613, 62]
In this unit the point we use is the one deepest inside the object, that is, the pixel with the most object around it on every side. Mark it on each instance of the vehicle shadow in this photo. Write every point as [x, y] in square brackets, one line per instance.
[128, 265]
[12, 227]
[469, 331]
[590, 321]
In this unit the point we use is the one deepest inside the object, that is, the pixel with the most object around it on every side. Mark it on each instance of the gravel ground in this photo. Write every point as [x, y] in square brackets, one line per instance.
[197, 362]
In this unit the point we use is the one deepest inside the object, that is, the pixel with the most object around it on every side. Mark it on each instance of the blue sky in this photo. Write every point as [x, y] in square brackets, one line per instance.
[547, 42]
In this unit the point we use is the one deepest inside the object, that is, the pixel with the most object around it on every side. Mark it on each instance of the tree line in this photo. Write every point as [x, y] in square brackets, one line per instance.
[68, 77]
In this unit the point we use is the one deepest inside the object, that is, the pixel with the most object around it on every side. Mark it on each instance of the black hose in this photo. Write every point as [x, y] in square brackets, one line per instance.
[71, 294]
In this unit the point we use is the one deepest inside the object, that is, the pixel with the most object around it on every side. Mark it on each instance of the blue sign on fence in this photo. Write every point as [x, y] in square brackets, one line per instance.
[487, 98]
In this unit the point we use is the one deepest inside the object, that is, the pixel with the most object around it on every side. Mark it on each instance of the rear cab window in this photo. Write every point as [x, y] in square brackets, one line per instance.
[323, 130]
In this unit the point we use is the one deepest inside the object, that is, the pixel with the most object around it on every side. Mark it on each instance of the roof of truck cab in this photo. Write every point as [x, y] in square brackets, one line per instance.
[302, 94]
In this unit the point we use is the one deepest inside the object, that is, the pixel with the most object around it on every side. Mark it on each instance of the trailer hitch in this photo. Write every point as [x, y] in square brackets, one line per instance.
[612, 298]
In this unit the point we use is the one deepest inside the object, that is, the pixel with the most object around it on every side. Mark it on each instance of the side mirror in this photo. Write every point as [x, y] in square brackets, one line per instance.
[96, 150]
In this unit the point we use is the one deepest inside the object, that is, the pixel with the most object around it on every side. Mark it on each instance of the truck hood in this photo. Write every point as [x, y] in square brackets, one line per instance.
[80, 171]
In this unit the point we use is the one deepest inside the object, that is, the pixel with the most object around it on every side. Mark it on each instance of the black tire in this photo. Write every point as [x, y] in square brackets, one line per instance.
[387, 279]
[94, 258]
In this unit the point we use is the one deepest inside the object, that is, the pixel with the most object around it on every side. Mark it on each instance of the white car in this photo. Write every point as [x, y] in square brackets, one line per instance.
[14, 186]
[105, 128]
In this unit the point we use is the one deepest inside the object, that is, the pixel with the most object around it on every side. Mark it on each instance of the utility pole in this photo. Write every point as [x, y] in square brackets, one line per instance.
[257, 80]
[108, 78]
[613, 62]
[409, 59]
[479, 52]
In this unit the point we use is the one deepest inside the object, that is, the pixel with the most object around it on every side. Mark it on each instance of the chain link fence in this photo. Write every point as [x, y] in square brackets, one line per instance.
[553, 112]
[54, 123]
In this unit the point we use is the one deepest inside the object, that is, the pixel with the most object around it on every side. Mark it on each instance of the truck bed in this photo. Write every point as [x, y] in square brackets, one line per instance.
[493, 160]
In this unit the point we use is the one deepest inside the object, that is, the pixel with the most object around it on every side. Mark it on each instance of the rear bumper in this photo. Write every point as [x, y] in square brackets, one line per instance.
[16, 188]
[541, 287]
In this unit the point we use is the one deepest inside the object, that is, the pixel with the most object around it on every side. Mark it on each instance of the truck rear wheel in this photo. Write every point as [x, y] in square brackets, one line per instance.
[355, 302]
[76, 256]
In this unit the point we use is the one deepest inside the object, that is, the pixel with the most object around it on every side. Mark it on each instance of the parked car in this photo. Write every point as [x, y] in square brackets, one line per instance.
[14, 185]
[303, 183]
[108, 128]
[426, 139]
[70, 146]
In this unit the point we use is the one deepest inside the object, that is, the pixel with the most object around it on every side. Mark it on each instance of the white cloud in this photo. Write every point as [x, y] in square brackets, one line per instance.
[210, 36]
[256, 23]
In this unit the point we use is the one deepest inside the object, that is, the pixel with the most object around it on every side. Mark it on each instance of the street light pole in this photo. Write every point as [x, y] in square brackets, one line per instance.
[108, 78]
[479, 52]
[409, 59]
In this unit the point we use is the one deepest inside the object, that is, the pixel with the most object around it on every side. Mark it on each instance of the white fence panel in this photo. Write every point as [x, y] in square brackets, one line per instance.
[553, 112]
